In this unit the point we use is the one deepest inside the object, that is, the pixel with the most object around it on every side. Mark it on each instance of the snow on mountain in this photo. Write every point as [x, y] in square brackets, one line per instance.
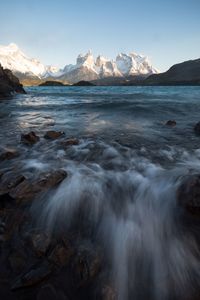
[86, 67]
[11, 57]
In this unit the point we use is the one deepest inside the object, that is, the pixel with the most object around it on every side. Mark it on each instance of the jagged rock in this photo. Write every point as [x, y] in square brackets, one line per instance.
[86, 265]
[8, 153]
[197, 128]
[35, 275]
[28, 189]
[30, 138]
[9, 83]
[61, 255]
[70, 142]
[188, 194]
[52, 135]
[171, 123]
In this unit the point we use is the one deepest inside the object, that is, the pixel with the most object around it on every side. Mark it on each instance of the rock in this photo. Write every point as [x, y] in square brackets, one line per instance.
[70, 142]
[86, 265]
[171, 123]
[9, 181]
[35, 275]
[197, 128]
[52, 135]
[61, 255]
[8, 154]
[9, 83]
[108, 293]
[83, 83]
[188, 194]
[30, 138]
[40, 242]
[28, 189]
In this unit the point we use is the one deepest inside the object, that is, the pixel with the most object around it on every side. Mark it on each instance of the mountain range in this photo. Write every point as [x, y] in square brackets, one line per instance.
[86, 68]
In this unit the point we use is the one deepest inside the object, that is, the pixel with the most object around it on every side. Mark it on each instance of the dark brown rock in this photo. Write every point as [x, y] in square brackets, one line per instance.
[8, 153]
[35, 275]
[48, 292]
[53, 135]
[28, 189]
[188, 194]
[197, 128]
[30, 138]
[70, 142]
[171, 123]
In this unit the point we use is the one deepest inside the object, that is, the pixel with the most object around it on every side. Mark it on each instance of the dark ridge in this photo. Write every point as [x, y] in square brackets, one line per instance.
[52, 83]
[83, 83]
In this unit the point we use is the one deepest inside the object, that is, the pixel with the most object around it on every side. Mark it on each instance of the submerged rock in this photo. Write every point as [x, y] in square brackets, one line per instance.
[171, 123]
[70, 142]
[197, 128]
[52, 135]
[8, 153]
[86, 265]
[188, 194]
[28, 189]
[30, 138]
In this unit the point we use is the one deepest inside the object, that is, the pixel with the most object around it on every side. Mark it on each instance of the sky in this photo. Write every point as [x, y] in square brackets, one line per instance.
[55, 32]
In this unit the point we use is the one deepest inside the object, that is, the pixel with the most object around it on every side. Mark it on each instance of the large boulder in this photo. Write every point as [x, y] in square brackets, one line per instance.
[9, 83]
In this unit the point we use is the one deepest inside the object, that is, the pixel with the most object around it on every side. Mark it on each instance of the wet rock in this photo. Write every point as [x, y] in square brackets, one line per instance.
[171, 123]
[52, 135]
[9, 181]
[108, 293]
[188, 194]
[61, 255]
[30, 138]
[40, 243]
[86, 265]
[197, 128]
[8, 154]
[70, 142]
[35, 275]
[29, 188]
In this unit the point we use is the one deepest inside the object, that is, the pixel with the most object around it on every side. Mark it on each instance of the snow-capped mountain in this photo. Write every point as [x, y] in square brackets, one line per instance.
[86, 68]
[11, 57]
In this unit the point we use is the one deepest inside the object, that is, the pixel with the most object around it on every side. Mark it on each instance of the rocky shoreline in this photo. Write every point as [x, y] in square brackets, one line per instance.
[63, 263]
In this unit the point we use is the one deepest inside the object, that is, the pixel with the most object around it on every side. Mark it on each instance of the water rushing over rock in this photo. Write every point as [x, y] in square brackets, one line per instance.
[103, 209]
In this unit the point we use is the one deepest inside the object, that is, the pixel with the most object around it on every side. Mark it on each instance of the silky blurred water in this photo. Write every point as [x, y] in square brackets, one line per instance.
[123, 176]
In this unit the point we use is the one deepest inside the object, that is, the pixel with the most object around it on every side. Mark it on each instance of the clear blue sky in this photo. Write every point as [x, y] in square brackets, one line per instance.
[55, 32]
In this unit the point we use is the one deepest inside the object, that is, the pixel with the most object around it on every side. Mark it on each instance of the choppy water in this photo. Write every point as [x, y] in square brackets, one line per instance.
[123, 176]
